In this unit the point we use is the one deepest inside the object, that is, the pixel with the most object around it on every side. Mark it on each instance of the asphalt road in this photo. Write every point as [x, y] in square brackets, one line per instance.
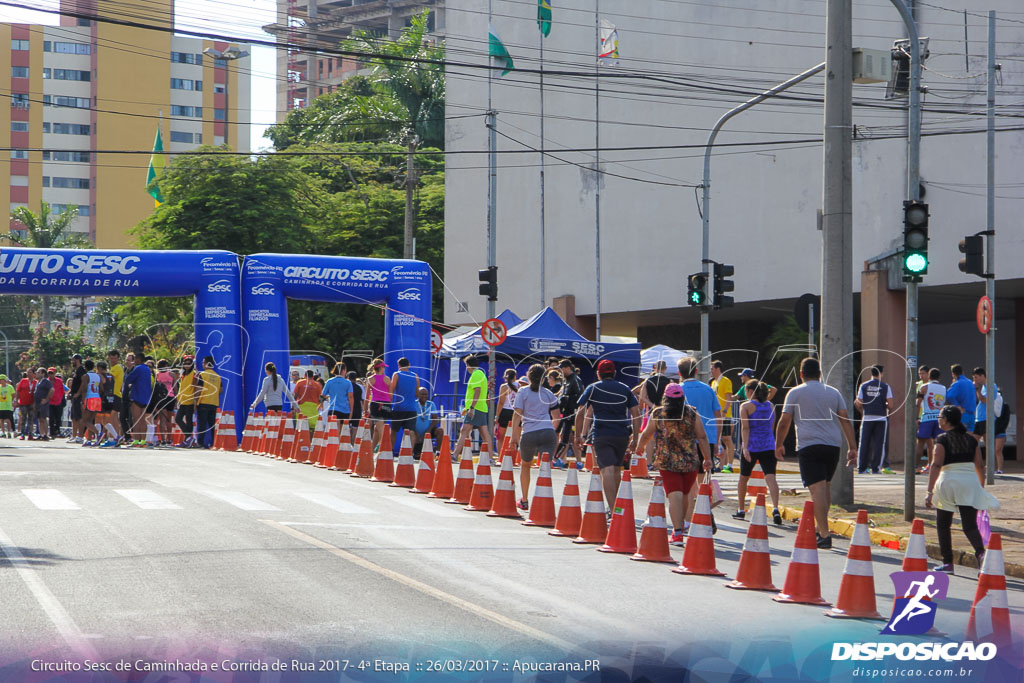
[159, 554]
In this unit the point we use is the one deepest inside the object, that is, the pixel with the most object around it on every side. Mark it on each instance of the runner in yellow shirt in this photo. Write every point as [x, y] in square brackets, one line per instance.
[723, 387]
[6, 408]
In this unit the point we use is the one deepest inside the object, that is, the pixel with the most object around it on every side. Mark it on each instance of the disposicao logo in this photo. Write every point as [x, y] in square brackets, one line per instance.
[913, 611]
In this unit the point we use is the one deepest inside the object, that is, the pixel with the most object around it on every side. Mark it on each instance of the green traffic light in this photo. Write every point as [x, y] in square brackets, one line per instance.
[915, 263]
[695, 297]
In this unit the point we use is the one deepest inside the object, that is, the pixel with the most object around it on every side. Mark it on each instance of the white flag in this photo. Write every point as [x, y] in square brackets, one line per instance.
[608, 47]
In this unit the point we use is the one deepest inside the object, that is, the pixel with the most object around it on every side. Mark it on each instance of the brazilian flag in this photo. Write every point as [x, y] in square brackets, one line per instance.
[156, 167]
[544, 17]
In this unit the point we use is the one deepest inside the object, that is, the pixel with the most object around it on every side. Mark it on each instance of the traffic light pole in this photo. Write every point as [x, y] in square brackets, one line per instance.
[705, 355]
[492, 218]
[914, 194]
[990, 270]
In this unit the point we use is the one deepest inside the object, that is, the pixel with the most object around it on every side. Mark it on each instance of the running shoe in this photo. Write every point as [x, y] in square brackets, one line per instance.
[43, 438]
[79, 439]
[824, 542]
[943, 568]
[677, 539]
[980, 557]
[108, 443]
[999, 471]
[22, 437]
[888, 470]
[88, 444]
[923, 470]
[523, 505]
[776, 517]
[558, 464]
[862, 471]
[579, 465]
[739, 514]
[727, 469]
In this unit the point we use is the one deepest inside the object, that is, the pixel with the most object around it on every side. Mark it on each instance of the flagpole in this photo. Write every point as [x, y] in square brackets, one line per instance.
[543, 255]
[597, 168]
[491, 122]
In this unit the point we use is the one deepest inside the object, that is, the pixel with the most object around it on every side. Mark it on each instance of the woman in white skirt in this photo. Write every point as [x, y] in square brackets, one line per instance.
[956, 482]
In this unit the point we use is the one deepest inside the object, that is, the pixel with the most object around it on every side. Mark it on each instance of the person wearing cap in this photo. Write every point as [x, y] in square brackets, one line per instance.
[474, 412]
[608, 413]
[77, 398]
[6, 408]
[56, 401]
[745, 377]
[378, 398]
[681, 451]
[26, 391]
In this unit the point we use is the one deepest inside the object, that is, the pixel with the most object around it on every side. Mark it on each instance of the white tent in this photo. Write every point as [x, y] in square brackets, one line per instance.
[650, 355]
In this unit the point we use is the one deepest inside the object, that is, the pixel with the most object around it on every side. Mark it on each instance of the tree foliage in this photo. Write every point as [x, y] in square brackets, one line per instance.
[55, 348]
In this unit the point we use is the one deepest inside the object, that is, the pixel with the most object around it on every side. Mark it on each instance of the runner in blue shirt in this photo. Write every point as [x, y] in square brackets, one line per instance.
[338, 392]
[703, 399]
[962, 394]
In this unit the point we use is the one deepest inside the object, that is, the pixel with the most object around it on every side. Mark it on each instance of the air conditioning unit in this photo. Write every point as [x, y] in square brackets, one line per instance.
[871, 66]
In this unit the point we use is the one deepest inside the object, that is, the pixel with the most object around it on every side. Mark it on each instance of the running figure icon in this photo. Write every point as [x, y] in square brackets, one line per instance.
[916, 606]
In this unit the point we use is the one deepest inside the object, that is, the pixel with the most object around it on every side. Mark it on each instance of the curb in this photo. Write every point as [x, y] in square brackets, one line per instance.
[887, 539]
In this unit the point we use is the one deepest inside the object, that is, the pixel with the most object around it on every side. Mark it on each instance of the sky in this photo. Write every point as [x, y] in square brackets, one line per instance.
[241, 18]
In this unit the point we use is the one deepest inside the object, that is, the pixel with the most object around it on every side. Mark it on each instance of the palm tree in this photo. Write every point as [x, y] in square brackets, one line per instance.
[407, 104]
[46, 230]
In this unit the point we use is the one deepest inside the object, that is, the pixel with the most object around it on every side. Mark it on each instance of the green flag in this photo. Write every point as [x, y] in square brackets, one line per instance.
[544, 17]
[497, 50]
[156, 167]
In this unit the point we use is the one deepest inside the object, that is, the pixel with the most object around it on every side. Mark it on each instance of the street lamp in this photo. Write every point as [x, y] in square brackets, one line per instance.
[228, 55]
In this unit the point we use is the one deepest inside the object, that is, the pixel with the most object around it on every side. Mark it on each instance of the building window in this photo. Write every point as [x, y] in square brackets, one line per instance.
[19, 100]
[19, 126]
[19, 45]
[67, 74]
[218, 88]
[83, 209]
[66, 183]
[67, 156]
[46, 126]
[68, 128]
[58, 101]
[19, 72]
[181, 136]
[220, 114]
[187, 58]
[181, 110]
[67, 48]
[19, 154]
[220, 63]
[185, 84]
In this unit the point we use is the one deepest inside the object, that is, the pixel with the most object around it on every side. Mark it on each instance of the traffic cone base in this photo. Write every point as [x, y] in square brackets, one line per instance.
[856, 598]
[755, 570]
[542, 507]
[594, 527]
[570, 516]
[464, 481]
[444, 481]
[481, 497]
[699, 553]
[504, 504]
[803, 582]
[654, 537]
[622, 532]
[989, 620]
[425, 472]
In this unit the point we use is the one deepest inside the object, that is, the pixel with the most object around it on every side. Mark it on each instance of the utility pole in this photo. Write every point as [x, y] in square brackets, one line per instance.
[597, 169]
[990, 270]
[491, 121]
[913, 194]
[837, 220]
[410, 188]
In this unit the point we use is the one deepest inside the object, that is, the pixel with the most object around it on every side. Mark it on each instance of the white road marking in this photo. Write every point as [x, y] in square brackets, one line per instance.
[50, 499]
[334, 503]
[453, 600]
[423, 506]
[65, 625]
[146, 499]
[240, 500]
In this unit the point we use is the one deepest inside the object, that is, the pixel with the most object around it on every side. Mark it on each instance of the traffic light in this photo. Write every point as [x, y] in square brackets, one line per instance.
[721, 285]
[489, 282]
[973, 249]
[696, 292]
[915, 240]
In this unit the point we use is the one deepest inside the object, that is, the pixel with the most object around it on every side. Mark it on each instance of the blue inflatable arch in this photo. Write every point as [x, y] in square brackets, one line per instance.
[269, 280]
[211, 277]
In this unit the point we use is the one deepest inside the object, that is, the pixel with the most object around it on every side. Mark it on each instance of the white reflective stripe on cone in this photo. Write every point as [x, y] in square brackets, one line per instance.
[756, 545]
[992, 563]
[699, 531]
[858, 568]
[805, 555]
[505, 485]
[594, 506]
[571, 501]
[543, 492]
[656, 522]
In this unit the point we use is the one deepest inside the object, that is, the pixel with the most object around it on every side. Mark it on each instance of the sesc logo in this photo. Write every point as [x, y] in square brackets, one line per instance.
[408, 295]
[219, 286]
[264, 288]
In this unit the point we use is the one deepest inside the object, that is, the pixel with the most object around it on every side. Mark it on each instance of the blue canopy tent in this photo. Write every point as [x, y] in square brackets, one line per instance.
[542, 336]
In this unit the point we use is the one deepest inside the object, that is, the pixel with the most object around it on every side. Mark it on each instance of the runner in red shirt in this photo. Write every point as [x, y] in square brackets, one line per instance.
[26, 402]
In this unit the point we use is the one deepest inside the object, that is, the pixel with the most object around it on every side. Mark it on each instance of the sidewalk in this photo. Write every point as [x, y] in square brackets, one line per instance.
[884, 503]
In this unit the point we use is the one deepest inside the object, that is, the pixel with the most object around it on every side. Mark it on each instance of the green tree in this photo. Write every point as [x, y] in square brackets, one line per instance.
[45, 230]
[328, 118]
[55, 348]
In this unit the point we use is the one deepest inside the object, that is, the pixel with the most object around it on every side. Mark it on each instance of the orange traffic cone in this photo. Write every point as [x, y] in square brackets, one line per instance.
[286, 450]
[756, 484]
[405, 474]
[542, 507]
[803, 583]
[262, 446]
[218, 431]
[699, 555]
[231, 432]
[343, 457]
[638, 467]
[504, 504]
[570, 516]
[482, 495]
[622, 533]
[464, 482]
[990, 616]
[591, 463]
[363, 465]
[755, 570]
[916, 559]
[303, 452]
[857, 589]
[425, 472]
[444, 483]
[594, 527]
[318, 443]
[384, 471]
[330, 454]
[177, 437]
[357, 444]
[654, 537]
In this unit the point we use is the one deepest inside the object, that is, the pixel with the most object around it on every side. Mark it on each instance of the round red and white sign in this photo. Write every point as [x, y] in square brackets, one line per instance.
[493, 332]
[435, 342]
[985, 314]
